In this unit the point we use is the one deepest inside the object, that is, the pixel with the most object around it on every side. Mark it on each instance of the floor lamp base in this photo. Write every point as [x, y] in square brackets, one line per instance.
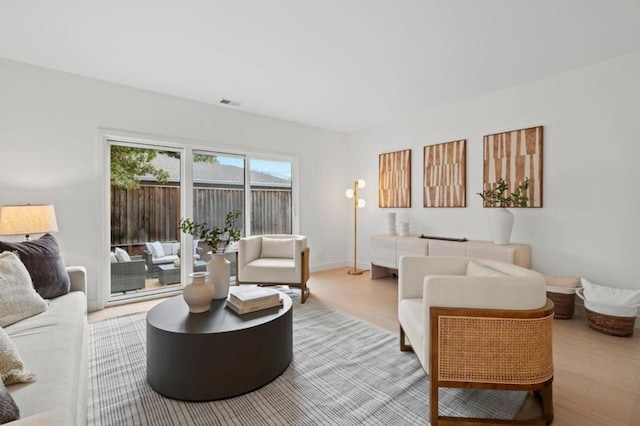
[355, 271]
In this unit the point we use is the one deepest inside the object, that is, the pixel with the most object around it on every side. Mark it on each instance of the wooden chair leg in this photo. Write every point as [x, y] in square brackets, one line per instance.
[433, 401]
[546, 398]
[403, 346]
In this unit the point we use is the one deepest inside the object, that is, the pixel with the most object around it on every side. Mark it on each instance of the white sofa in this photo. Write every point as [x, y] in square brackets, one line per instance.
[54, 346]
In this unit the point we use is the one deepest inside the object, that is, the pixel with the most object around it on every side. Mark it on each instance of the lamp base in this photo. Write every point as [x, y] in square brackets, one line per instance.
[355, 271]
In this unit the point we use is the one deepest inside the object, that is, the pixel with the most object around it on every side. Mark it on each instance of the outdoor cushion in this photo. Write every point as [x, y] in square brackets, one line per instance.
[164, 259]
[156, 249]
[122, 256]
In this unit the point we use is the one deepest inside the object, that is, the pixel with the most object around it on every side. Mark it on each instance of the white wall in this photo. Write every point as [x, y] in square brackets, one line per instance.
[50, 152]
[589, 224]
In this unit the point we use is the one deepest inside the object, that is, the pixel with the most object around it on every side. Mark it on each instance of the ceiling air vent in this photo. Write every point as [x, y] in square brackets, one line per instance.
[229, 102]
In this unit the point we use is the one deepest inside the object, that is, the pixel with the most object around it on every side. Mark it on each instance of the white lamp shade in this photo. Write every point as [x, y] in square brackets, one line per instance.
[28, 219]
[361, 203]
[349, 193]
[361, 183]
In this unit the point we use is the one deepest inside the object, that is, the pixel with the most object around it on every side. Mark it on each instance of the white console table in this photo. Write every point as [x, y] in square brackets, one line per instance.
[387, 250]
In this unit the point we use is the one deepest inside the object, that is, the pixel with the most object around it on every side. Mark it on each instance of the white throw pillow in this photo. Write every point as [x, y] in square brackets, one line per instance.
[156, 249]
[476, 270]
[277, 247]
[18, 298]
[112, 257]
[122, 256]
[11, 367]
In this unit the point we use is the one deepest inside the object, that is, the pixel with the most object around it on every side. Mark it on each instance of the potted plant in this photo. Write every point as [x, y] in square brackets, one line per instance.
[218, 239]
[501, 220]
[500, 196]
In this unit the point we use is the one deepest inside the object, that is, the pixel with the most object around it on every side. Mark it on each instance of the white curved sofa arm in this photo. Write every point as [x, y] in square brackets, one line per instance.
[78, 278]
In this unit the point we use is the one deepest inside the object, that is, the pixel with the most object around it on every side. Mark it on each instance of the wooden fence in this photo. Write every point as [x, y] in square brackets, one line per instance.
[152, 213]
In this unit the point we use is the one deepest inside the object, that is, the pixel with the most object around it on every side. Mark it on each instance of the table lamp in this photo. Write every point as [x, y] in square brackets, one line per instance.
[28, 219]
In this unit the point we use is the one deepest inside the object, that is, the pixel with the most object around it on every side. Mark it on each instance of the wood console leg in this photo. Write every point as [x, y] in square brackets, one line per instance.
[378, 271]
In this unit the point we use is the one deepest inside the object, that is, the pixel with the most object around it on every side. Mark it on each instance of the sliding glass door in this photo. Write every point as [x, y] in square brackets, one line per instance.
[145, 199]
[152, 186]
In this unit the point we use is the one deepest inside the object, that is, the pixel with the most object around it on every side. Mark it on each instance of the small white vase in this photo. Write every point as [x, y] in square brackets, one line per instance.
[198, 293]
[501, 224]
[219, 269]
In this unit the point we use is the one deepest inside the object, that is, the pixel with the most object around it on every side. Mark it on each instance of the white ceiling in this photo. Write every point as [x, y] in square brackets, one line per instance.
[344, 65]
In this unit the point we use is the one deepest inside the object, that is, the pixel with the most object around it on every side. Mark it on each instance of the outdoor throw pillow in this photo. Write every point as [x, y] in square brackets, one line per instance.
[18, 299]
[476, 270]
[44, 263]
[156, 249]
[11, 368]
[277, 247]
[8, 409]
[122, 256]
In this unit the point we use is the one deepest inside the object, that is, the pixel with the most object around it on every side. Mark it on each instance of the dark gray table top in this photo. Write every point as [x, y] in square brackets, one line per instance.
[173, 316]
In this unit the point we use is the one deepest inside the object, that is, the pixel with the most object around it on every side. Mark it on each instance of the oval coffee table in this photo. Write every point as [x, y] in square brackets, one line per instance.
[216, 354]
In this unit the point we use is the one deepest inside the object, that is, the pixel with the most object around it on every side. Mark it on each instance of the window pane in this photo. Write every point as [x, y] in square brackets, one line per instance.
[271, 203]
[218, 188]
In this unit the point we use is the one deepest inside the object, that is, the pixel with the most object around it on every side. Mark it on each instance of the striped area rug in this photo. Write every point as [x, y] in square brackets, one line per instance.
[345, 371]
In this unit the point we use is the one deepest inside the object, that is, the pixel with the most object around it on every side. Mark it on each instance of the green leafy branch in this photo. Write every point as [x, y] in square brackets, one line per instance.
[501, 196]
[218, 238]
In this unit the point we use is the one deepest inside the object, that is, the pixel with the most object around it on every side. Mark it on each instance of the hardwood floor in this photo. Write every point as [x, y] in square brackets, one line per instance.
[597, 377]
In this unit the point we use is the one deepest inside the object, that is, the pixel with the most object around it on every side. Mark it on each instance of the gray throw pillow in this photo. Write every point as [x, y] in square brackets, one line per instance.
[9, 411]
[44, 263]
[18, 299]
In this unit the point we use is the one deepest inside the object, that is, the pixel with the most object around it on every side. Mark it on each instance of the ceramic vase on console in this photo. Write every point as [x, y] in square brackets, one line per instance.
[501, 224]
[219, 269]
[198, 293]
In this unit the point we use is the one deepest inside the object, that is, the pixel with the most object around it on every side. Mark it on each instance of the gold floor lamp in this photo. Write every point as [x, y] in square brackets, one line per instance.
[357, 203]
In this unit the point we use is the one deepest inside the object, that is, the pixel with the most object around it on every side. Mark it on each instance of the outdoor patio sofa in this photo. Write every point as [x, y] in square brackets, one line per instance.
[128, 275]
[168, 253]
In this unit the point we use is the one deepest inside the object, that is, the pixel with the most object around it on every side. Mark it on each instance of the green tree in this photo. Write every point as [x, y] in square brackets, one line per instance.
[128, 164]
[200, 158]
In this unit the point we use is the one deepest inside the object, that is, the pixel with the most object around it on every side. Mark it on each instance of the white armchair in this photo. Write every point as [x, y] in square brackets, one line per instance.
[274, 259]
[477, 324]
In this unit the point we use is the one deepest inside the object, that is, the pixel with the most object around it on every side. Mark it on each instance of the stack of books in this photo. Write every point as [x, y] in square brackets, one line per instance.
[243, 300]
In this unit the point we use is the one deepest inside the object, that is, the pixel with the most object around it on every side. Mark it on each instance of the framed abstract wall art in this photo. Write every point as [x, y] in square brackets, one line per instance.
[394, 180]
[515, 156]
[445, 174]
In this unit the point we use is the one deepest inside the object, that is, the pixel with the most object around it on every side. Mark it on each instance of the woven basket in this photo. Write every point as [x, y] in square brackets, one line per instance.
[564, 304]
[608, 324]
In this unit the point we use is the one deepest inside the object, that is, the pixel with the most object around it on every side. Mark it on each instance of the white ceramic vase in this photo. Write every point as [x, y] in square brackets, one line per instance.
[219, 269]
[501, 224]
[198, 293]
